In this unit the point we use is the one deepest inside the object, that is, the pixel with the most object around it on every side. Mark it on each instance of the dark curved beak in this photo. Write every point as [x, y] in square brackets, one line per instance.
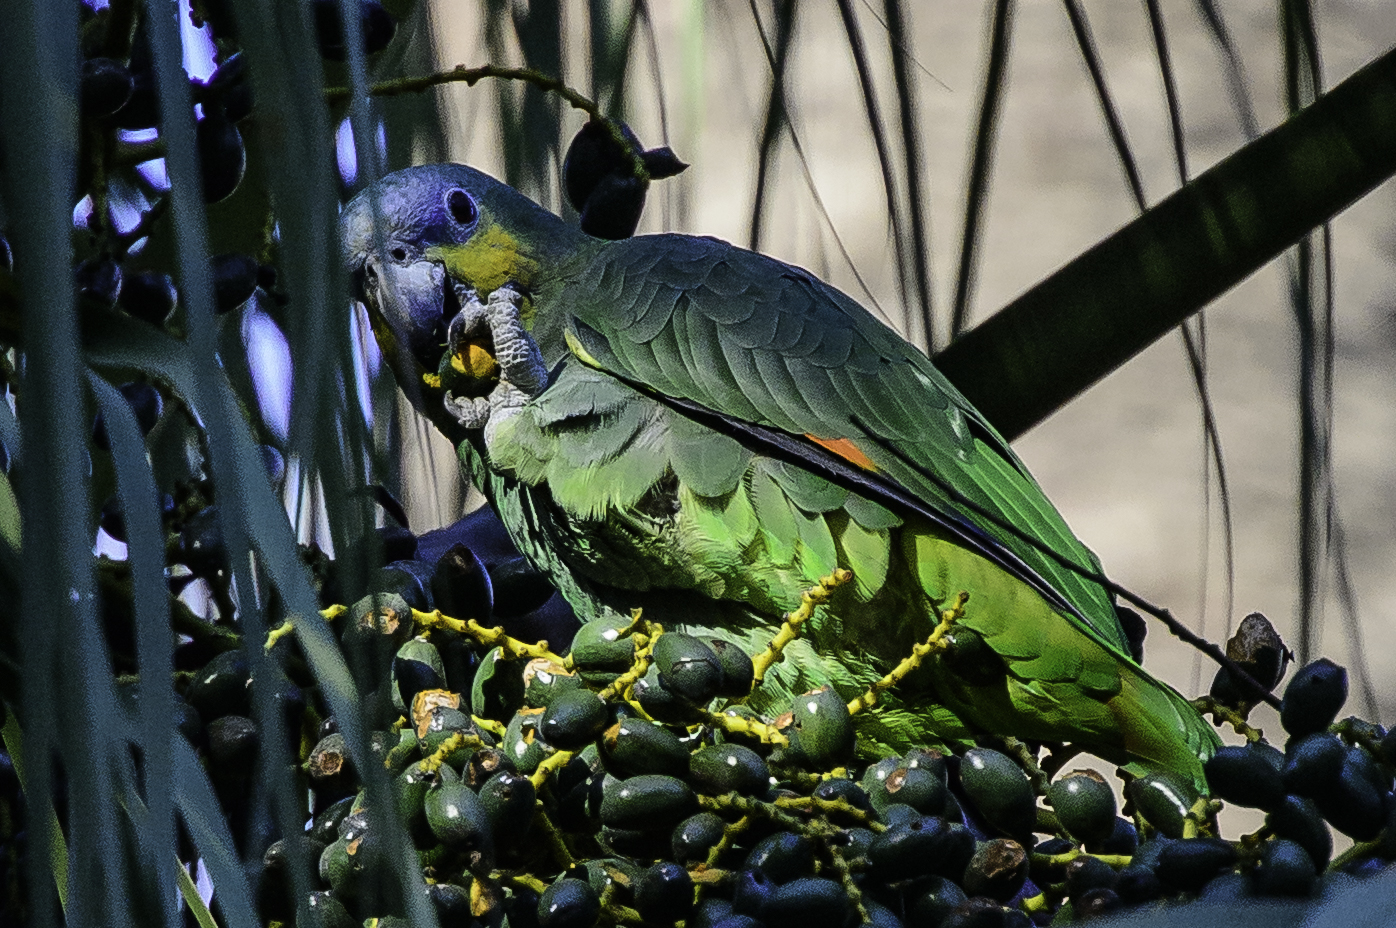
[412, 299]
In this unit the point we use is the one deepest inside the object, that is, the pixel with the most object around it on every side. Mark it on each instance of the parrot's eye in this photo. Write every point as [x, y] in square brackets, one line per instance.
[462, 207]
[399, 253]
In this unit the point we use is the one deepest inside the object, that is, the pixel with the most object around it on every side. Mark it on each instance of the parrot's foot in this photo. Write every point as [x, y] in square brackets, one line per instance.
[522, 374]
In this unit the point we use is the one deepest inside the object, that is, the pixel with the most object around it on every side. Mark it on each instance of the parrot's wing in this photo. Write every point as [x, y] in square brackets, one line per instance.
[783, 358]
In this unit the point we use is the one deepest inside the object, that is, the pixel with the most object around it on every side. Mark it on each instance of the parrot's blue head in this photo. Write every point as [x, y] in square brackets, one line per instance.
[408, 238]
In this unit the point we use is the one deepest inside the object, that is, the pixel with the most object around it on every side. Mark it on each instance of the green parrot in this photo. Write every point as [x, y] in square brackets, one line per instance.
[701, 431]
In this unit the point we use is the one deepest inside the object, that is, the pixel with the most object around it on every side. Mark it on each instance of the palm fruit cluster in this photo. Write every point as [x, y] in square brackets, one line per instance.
[623, 780]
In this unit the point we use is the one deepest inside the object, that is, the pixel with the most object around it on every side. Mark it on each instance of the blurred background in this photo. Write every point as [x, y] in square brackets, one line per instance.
[1126, 462]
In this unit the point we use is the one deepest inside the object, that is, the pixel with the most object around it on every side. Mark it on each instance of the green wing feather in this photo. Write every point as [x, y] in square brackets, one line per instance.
[761, 342]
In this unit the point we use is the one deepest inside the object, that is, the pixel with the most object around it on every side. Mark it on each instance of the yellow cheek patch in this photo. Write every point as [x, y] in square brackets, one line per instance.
[489, 260]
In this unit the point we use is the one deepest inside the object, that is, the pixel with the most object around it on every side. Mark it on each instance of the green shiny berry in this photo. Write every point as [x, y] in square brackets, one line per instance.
[651, 801]
[998, 869]
[325, 911]
[544, 681]
[823, 729]
[602, 650]
[1313, 697]
[782, 857]
[918, 787]
[688, 668]
[410, 790]
[416, 667]
[738, 673]
[660, 703]
[522, 743]
[497, 691]
[874, 782]
[1000, 791]
[444, 723]
[696, 836]
[458, 819]
[729, 768]
[508, 800]
[568, 903]
[1085, 805]
[573, 719]
[1164, 801]
[635, 746]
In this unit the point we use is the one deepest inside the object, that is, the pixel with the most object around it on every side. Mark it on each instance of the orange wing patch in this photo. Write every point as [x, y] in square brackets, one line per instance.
[845, 449]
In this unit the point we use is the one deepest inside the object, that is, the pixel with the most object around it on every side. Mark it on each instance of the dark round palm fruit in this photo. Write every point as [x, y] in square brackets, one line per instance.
[998, 869]
[452, 905]
[144, 401]
[234, 280]
[105, 87]
[460, 585]
[837, 789]
[508, 800]
[1353, 804]
[377, 23]
[1164, 801]
[1244, 775]
[809, 902]
[909, 849]
[1313, 698]
[601, 649]
[782, 857]
[593, 155]
[935, 902]
[222, 687]
[331, 771]
[751, 893]
[688, 668]
[232, 742]
[1313, 763]
[729, 768]
[1000, 791]
[1191, 863]
[659, 703]
[519, 588]
[568, 903]
[696, 836]
[1258, 649]
[614, 207]
[823, 730]
[1298, 819]
[98, 282]
[398, 543]
[1096, 902]
[1285, 869]
[1085, 805]
[634, 746]
[573, 719]
[148, 295]
[737, 669]
[325, 911]
[1124, 838]
[1138, 884]
[222, 156]
[1087, 873]
[664, 893]
[650, 801]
